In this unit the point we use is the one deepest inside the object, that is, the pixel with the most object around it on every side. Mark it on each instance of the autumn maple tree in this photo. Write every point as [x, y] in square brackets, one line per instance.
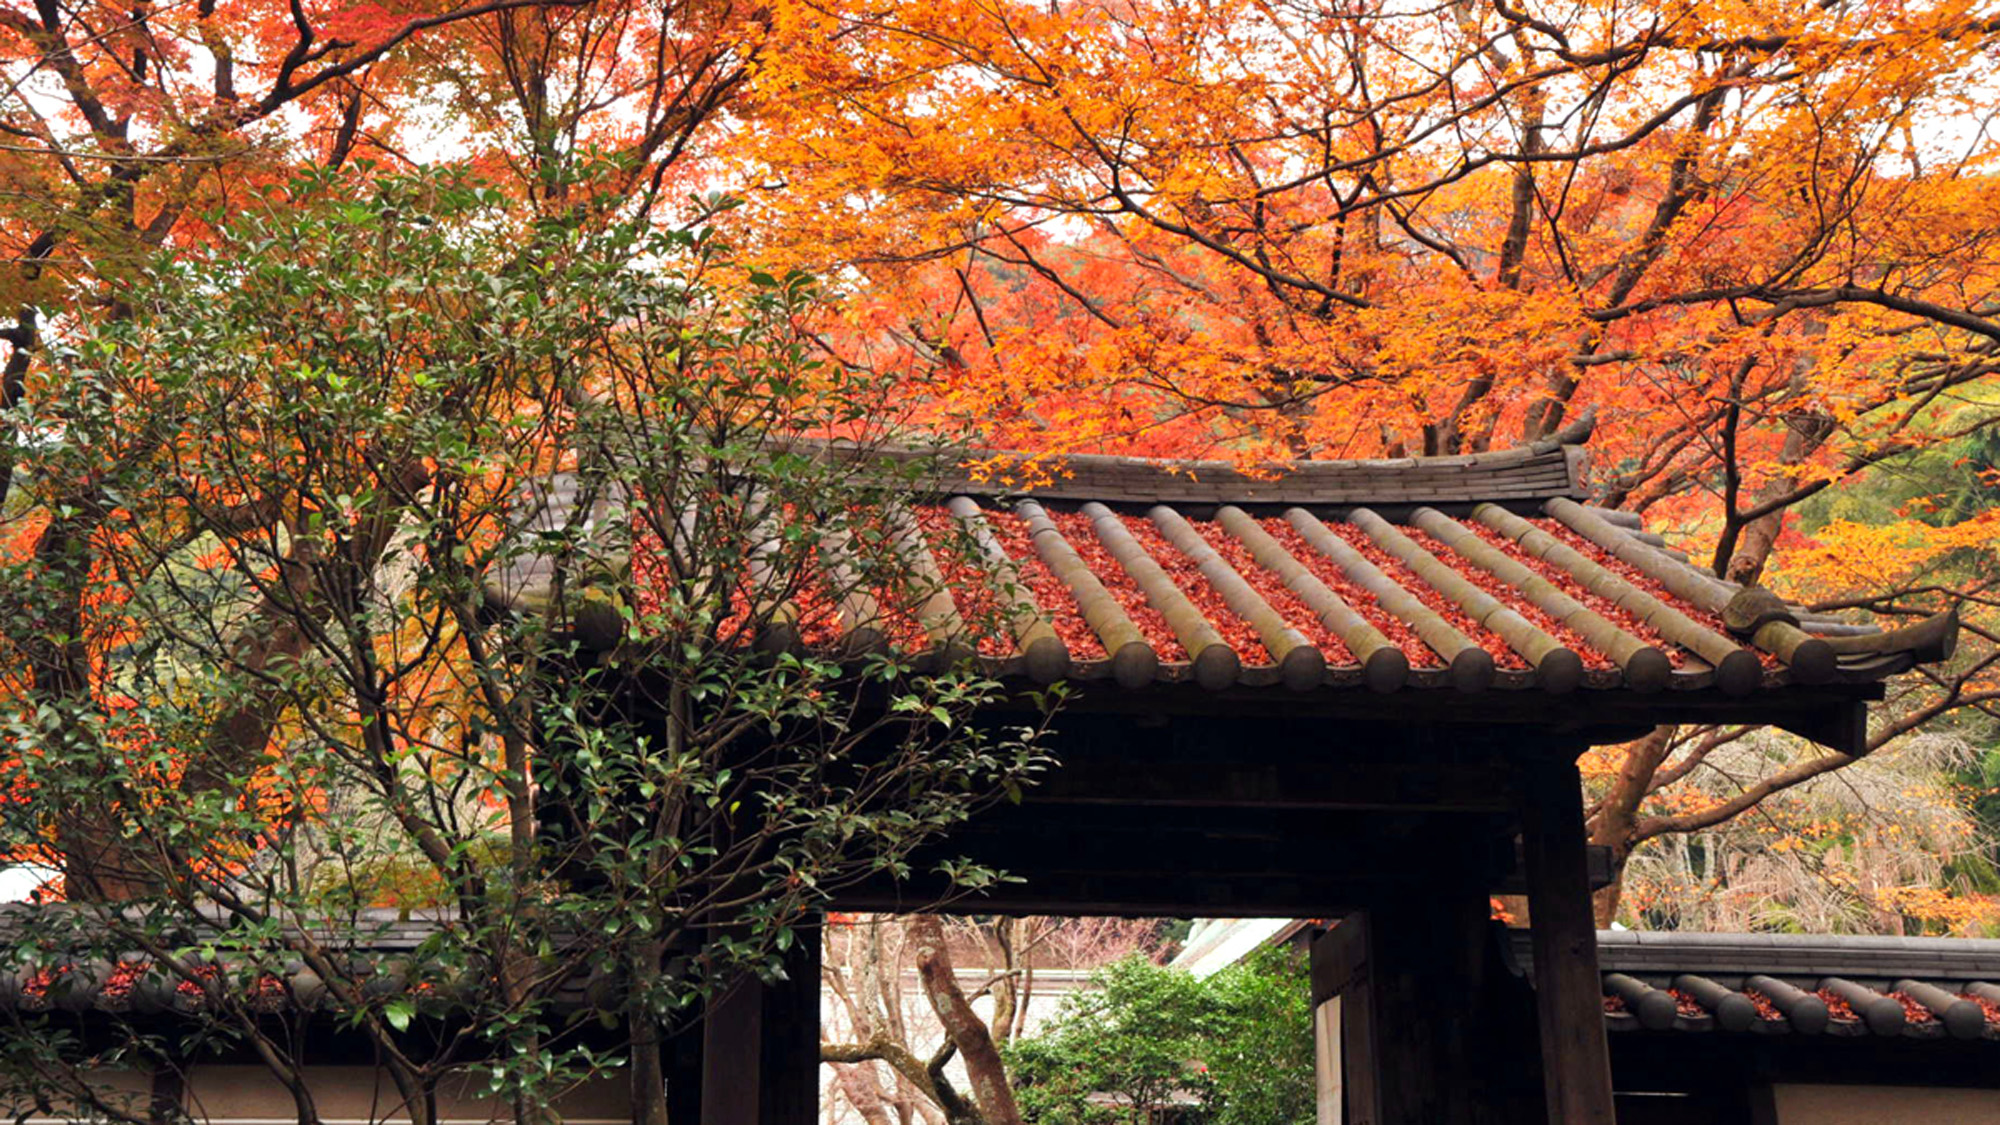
[1757, 241]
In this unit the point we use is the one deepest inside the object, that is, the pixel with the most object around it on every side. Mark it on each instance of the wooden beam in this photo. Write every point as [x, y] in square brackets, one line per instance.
[1576, 1060]
[1596, 864]
[1490, 715]
[1294, 783]
[1224, 863]
[1152, 896]
[1118, 839]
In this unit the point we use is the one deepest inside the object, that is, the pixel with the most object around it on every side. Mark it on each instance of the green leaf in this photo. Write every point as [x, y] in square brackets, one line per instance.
[399, 1012]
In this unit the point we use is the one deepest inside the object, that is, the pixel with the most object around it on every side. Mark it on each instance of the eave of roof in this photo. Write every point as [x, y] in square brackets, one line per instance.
[1797, 984]
[1764, 984]
[1476, 572]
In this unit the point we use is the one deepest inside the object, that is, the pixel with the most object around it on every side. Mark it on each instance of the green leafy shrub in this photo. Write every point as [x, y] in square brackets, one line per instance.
[1232, 1049]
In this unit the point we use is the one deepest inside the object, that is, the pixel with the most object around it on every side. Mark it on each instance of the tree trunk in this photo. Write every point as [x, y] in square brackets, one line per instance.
[857, 1082]
[1616, 823]
[988, 1075]
[648, 1072]
[1753, 545]
[1005, 939]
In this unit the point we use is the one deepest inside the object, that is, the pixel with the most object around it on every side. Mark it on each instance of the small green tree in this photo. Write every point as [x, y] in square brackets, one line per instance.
[1262, 1062]
[1116, 1052]
[1233, 1049]
[461, 560]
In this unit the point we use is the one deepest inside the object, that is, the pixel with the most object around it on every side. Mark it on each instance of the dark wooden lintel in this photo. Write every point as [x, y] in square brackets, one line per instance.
[1128, 896]
[1294, 784]
[1166, 845]
[1494, 715]
[1225, 862]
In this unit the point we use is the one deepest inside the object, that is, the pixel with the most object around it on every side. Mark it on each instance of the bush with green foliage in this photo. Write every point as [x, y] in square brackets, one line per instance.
[1235, 1048]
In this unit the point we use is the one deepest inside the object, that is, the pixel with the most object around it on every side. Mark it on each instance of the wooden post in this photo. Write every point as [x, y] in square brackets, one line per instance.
[1327, 1090]
[791, 1036]
[760, 1045]
[1407, 972]
[1569, 1004]
[1339, 972]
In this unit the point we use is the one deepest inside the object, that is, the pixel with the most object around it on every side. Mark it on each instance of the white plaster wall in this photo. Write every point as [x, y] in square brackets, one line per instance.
[1880, 1105]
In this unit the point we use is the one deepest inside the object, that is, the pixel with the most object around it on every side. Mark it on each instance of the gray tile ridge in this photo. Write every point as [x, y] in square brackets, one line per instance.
[1867, 955]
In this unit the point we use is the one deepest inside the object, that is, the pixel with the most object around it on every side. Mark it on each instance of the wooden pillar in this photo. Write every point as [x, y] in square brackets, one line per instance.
[791, 1036]
[760, 1045]
[1569, 1004]
[1340, 974]
[1408, 975]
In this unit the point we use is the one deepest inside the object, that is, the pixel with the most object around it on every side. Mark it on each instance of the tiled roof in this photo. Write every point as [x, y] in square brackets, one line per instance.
[1467, 573]
[375, 939]
[1753, 984]
[1772, 984]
